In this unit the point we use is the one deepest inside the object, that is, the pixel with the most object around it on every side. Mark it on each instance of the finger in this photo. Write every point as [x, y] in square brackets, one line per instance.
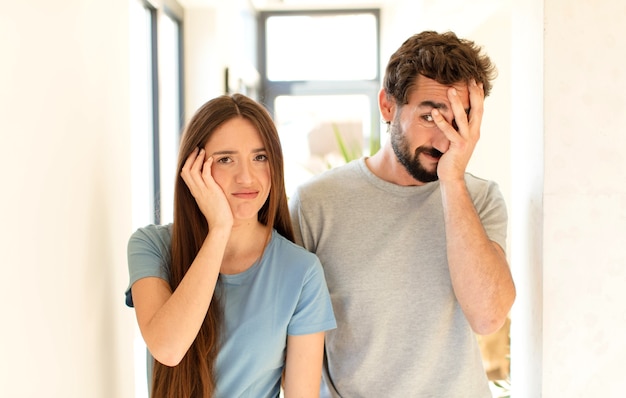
[197, 163]
[185, 172]
[195, 173]
[192, 170]
[206, 168]
[458, 110]
[190, 159]
[477, 99]
[443, 125]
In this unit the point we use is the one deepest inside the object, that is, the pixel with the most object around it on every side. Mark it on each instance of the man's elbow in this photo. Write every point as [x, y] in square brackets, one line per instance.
[488, 326]
[494, 319]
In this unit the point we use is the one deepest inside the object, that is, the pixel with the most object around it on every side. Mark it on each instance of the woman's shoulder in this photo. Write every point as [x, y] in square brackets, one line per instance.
[148, 255]
[292, 264]
[152, 237]
[153, 231]
[289, 246]
[292, 253]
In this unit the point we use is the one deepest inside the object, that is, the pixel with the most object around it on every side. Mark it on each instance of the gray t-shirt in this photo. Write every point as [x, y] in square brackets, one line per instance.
[400, 330]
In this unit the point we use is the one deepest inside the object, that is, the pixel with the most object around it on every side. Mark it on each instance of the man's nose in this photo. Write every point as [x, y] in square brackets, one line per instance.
[440, 141]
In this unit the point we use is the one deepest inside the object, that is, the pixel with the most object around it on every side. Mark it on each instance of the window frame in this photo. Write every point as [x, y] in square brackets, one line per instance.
[175, 12]
[271, 89]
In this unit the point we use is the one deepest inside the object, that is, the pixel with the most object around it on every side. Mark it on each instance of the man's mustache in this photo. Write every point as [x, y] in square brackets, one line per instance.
[428, 151]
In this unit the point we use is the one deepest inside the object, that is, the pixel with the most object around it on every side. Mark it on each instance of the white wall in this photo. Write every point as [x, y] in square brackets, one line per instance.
[526, 207]
[64, 172]
[569, 321]
[216, 36]
[201, 51]
[584, 249]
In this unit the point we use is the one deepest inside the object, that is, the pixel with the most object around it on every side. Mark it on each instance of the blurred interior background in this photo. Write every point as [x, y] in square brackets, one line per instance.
[93, 95]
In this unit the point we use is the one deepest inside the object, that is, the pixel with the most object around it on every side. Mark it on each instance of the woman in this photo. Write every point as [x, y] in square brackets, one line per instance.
[228, 306]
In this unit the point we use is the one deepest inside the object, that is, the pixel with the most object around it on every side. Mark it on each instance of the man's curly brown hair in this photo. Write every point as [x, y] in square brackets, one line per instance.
[442, 57]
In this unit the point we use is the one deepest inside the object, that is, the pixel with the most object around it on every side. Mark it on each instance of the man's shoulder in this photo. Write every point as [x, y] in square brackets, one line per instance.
[484, 192]
[332, 178]
[478, 183]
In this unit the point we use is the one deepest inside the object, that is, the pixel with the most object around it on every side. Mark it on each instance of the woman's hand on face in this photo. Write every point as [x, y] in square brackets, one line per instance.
[208, 194]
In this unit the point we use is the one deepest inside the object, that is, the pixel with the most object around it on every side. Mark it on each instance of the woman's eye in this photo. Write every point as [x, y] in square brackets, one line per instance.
[261, 158]
[224, 160]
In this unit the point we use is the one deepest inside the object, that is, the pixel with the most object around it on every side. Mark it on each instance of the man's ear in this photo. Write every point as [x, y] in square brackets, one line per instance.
[387, 105]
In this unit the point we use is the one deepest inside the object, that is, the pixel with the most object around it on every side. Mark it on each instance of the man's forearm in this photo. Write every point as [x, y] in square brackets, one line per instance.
[480, 274]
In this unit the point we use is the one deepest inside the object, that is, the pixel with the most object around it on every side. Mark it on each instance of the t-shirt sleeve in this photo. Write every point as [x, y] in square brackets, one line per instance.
[493, 215]
[302, 227]
[148, 254]
[295, 212]
[314, 311]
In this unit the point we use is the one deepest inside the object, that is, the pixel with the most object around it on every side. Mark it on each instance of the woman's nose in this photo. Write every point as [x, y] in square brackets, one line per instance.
[243, 173]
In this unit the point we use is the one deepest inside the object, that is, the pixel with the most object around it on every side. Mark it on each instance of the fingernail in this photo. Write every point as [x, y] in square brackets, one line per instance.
[453, 91]
[473, 82]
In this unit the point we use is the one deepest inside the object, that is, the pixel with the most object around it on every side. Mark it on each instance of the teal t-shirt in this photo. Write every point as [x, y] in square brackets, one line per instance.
[284, 293]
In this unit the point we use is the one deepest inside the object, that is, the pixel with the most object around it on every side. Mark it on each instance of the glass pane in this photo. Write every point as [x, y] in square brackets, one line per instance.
[324, 47]
[311, 129]
[169, 112]
[141, 115]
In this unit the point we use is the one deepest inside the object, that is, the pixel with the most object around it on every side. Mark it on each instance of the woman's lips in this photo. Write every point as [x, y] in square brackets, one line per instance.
[246, 195]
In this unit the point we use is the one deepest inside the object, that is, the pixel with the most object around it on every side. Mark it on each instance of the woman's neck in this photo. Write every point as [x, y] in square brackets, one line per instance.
[245, 246]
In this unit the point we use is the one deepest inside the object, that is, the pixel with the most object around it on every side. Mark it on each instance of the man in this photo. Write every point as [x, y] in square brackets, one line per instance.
[412, 245]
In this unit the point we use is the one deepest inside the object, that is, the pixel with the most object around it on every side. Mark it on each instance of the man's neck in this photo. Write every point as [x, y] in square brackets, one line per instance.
[385, 165]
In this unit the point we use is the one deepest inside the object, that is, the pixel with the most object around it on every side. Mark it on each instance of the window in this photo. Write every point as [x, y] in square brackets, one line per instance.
[170, 111]
[157, 109]
[143, 97]
[320, 80]
[321, 47]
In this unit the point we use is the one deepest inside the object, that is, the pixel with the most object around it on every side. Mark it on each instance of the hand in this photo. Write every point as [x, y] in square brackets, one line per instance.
[453, 163]
[208, 194]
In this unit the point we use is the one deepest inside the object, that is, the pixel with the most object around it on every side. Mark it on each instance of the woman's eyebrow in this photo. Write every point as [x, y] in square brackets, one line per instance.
[233, 152]
[225, 152]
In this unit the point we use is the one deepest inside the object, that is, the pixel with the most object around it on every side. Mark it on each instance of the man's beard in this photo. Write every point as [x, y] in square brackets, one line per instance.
[410, 162]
